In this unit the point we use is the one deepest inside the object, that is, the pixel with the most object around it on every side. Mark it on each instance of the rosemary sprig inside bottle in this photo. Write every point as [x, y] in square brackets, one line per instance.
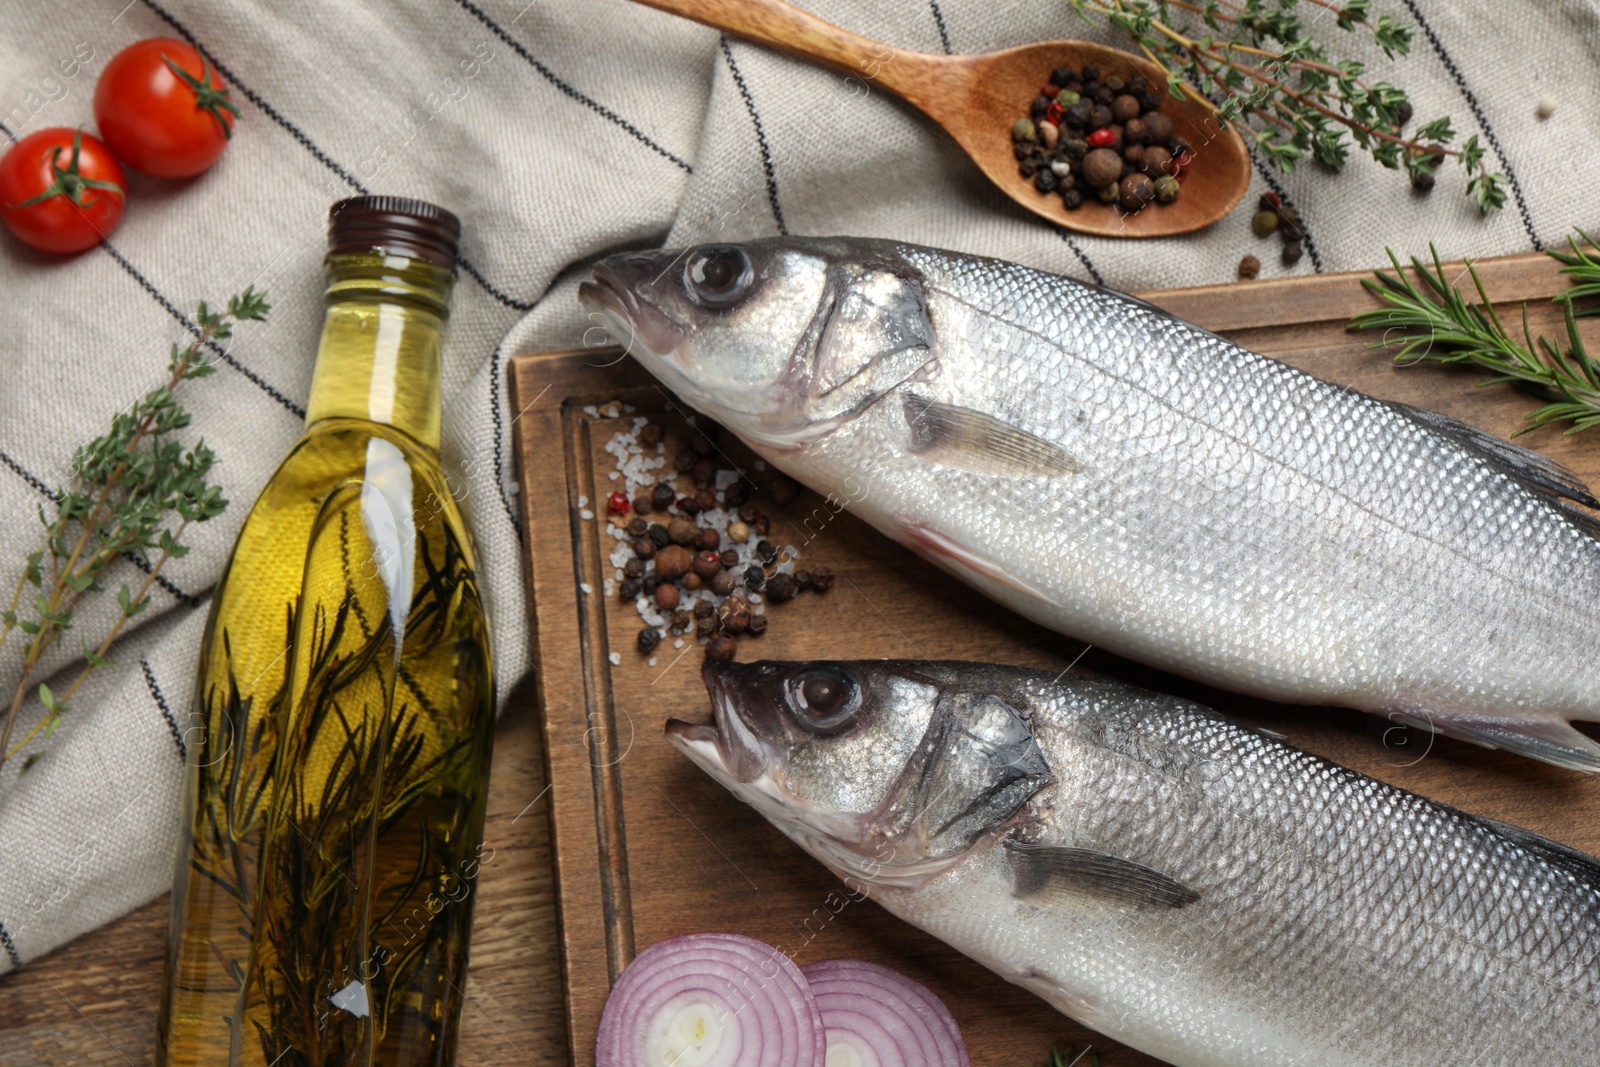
[134, 492]
[1254, 64]
[1440, 325]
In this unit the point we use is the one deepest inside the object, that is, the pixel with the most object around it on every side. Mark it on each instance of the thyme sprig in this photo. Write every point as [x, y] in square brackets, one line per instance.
[1439, 324]
[1279, 87]
[133, 493]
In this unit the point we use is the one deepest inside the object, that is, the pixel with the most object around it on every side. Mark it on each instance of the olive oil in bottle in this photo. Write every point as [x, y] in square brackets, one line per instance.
[334, 806]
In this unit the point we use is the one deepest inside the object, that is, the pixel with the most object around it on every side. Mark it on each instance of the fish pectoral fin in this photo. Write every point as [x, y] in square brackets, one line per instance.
[1551, 740]
[971, 440]
[1046, 874]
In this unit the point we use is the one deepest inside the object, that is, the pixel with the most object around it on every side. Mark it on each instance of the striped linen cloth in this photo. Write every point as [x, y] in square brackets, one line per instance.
[558, 130]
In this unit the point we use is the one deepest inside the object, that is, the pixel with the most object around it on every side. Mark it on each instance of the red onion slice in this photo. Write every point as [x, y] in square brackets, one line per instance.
[876, 1017]
[710, 1000]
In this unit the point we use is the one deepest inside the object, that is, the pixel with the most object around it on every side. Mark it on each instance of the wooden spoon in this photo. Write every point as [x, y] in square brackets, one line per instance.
[977, 99]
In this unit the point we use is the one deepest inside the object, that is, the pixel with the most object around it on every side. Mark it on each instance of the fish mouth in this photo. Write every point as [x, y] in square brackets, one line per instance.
[614, 295]
[726, 744]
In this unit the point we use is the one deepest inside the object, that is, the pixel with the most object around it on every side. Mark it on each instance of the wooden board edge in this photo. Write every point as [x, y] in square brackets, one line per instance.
[1330, 297]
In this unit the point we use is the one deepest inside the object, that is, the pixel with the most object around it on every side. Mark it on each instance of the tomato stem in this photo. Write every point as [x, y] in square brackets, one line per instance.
[213, 98]
[67, 182]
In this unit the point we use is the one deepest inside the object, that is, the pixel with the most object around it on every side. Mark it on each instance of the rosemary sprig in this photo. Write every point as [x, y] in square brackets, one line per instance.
[1283, 90]
[1086, 1058]
[1440, 325]
[134, 492]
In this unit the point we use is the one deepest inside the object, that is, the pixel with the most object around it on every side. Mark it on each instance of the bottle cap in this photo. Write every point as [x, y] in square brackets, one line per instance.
[396, 226]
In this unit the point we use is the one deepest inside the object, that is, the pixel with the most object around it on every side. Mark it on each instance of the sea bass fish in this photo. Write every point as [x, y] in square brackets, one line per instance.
[1129, 479]
[1188, 886]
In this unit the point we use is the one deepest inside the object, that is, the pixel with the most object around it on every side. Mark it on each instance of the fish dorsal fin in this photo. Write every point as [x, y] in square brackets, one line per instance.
[1584, 868]
[972, 440]
[1532, 469]
[1047, 874]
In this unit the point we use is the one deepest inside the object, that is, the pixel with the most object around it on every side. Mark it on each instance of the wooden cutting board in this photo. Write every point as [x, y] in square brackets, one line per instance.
[646, 846]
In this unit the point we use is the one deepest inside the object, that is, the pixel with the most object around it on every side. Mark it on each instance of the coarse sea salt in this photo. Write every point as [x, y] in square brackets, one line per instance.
[616, 659]
[586, 514]
[583, 501]
[586, 587]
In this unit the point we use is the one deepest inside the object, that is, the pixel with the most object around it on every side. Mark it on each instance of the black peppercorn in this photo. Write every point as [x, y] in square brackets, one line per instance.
[629, 589]
[1403, 113]
[685, 461]
[1091, 73]
[1292, 253]
[704, 609]
[1062, 75]
[658, 534]
[1150, 101]
[688, 505]
[1079, 114]
[1072, 198]
[736, 494]
[780, 587]
[650, 435]
[1100, 117]
[662, 496]
[748, 512]
[1045, 181]
[766, 553]
[754, 580]
[704, 471]
[702, 445]
[633, 568]
[637, 527]
[802, 580]
[729, 557]
[1422, 181]
[681, 621]
[648, 640]
[758, 625]
[822, 579]
[1249, 267]
[1041, 105]
[649, 584]
[644, 548]
[721, 649]
[1114, 83]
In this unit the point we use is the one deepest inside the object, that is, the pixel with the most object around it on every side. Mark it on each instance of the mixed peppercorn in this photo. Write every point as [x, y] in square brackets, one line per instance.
[1273, 217]
[692, 550]
[1107, 138]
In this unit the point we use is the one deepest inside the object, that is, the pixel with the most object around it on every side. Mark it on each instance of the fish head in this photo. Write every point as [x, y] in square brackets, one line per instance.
[780, 340]
[889, 772]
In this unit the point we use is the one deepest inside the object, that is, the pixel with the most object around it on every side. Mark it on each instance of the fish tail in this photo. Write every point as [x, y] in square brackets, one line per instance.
[1553, 740]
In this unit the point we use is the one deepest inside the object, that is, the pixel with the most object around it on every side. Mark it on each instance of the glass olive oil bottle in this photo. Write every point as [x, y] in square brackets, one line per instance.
[339, 760]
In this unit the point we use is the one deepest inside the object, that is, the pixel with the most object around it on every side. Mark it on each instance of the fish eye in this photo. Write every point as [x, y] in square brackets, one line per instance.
[824, 700]
[718, 276]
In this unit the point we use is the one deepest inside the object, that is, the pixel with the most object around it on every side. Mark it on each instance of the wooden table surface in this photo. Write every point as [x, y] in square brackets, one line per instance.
[94, 1001]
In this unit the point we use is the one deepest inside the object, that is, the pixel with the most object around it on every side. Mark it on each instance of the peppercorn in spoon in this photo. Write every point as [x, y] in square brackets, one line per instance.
[979, 100]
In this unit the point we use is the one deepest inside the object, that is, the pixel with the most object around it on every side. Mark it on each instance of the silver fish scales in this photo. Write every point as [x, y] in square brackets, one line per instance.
[1132, 480]
[1188, 886]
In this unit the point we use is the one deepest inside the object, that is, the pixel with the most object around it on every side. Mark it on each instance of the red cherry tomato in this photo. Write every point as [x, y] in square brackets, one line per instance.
[61, 190]
[162, 109]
